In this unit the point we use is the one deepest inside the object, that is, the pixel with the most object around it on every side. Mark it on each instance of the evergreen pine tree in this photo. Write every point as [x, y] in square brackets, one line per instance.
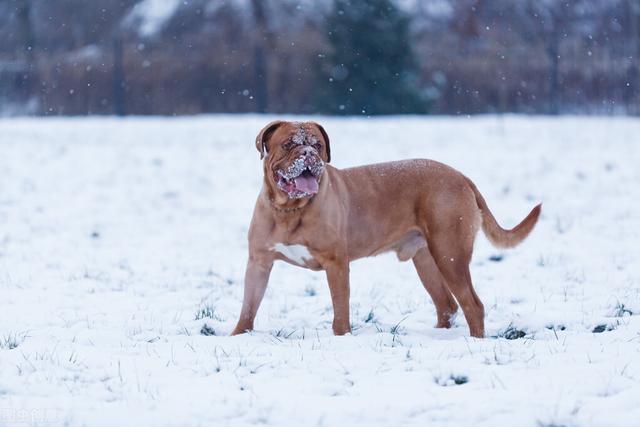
[371, 69]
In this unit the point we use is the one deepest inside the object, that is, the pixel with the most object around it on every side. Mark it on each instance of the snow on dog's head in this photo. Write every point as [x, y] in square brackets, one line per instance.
[294, 156]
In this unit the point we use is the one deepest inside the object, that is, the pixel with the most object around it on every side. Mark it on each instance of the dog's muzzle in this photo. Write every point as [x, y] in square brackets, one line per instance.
[302, 177]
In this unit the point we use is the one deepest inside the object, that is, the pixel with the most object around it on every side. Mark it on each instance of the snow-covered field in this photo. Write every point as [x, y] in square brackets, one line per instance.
[122, 251]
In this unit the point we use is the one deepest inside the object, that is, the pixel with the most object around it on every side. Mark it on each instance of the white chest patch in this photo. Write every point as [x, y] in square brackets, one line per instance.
[296, 253]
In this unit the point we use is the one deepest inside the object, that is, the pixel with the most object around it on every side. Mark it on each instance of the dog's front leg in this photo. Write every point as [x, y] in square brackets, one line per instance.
[338, 278]
[255, 284]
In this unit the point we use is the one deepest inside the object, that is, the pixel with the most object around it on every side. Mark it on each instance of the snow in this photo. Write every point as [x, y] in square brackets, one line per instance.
[120, 239]
[302, 136]
[151, 15]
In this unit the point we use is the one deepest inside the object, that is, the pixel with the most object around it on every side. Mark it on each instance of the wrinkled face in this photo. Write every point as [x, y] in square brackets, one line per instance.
[296, 158]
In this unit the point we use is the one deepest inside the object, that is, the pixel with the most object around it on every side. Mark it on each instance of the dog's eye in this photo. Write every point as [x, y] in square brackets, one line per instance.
[317, 146]
[288, 145]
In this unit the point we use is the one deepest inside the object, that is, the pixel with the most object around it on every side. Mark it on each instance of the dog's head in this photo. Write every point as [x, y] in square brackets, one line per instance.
[294, 156]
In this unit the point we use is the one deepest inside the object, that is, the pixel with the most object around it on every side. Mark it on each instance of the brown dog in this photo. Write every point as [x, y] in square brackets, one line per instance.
[313, 215]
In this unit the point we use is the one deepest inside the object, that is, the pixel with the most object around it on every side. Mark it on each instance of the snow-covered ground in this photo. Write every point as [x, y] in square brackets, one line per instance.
[121, 239]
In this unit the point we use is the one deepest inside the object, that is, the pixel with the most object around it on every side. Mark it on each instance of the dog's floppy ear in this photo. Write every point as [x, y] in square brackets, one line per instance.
[326, 140]
[264, 135]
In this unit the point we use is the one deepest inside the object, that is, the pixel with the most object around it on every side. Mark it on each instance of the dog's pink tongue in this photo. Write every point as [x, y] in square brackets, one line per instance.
[307, 184]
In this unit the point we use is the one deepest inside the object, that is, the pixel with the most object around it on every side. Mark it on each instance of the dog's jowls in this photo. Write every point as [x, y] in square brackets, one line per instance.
[313, 215]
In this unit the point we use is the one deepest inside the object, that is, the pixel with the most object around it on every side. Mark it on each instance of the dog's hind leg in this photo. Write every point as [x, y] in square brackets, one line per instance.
[451, 244]
[436, 286]
[453, 263]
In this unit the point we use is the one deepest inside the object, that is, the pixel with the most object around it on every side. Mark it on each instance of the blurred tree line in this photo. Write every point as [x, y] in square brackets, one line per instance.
[330, 56]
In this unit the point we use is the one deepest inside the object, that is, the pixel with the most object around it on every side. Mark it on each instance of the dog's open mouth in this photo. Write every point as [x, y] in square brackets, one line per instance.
[301, 178]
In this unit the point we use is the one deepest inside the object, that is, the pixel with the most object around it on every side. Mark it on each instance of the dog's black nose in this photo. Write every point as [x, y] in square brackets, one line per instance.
[308, 151]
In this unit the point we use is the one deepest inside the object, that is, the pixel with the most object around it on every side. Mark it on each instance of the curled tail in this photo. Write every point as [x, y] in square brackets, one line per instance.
[497, 235]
